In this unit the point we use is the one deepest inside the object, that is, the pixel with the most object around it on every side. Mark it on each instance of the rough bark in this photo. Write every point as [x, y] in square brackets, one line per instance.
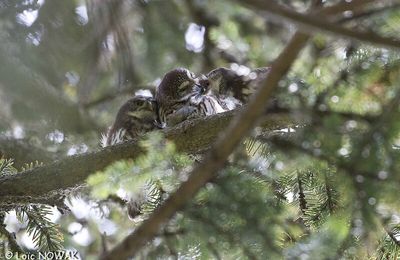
[22, 152]
[189, 137]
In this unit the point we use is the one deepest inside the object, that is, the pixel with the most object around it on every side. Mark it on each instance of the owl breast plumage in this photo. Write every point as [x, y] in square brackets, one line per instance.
[136, 116]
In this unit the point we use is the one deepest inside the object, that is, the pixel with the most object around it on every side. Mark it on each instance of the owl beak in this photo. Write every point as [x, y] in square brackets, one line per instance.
[153, 105]
[200, 89]
[203, 85]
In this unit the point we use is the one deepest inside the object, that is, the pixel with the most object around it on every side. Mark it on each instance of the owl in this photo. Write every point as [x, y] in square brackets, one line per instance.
[136, 116]
[182, 95]
[231, 85]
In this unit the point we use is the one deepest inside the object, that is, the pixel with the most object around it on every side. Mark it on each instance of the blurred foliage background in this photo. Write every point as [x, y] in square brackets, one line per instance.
[326, 189]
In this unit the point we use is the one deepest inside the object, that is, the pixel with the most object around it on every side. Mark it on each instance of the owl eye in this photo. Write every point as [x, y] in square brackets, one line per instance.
[183, 86]
[138, 103]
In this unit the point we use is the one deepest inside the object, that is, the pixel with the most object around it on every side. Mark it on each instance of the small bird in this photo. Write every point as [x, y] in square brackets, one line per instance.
[182, 95]
[229, 83]
[136, 116]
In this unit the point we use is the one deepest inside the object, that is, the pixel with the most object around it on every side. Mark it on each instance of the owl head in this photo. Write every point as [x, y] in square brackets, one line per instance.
[136, 116]
[140, 108]
[230, 83]
[222, 80]
[179, 85]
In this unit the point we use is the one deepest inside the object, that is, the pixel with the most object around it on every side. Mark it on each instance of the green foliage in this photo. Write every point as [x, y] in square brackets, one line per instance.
[323, 244]
[45, 234]
[234, 216]
[6, 167]
[388, 248]
[31, 165]
[155, 173]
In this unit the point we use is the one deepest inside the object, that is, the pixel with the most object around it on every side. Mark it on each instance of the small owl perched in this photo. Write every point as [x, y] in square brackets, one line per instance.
[229, 83]
[136, 116]
[181, 95]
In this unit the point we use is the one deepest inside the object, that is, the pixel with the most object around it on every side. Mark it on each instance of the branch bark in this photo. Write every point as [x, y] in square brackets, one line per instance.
[189, 137]
[22, 152]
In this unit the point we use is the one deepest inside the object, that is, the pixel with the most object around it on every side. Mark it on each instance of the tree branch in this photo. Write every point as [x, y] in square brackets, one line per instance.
[22, 152]
[215, 159]
[371, 12]
[189, 137]
[130, 90]
[309, 23]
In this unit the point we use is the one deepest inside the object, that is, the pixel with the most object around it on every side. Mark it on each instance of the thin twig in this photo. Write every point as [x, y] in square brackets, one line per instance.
[309, 23]
[370, 13]
[113, 95]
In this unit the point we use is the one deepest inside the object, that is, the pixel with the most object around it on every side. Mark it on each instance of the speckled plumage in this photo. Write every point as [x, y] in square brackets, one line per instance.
[136, 116]
[181, 95]
[230, 83]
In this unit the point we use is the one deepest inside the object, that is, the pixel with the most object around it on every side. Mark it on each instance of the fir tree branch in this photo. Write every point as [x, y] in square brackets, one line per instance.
[309, 23]
[371, 12]
[189, 137]
[290, 145]
[302, 197]
[328, 191]
[128, 91]
[343, 6]
[9, 202]
[233, 240]
[22, 152]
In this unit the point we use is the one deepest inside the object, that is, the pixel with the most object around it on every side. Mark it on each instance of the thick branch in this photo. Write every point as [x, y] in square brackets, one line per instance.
[22, 152]
[189, 137]
[308, 23]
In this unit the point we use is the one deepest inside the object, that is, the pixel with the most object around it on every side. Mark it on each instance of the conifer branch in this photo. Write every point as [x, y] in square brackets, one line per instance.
[233, 240]
[189, 137]
[309, 23]
[22, 152]
[302, 197]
